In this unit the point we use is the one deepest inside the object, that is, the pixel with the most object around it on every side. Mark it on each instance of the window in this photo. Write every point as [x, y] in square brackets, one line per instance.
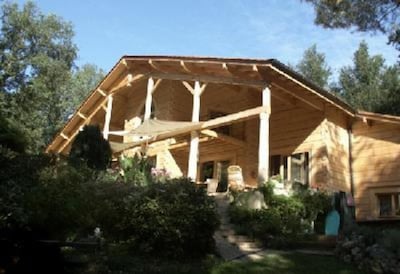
[207, 171]
[293, 168]
[389, 204]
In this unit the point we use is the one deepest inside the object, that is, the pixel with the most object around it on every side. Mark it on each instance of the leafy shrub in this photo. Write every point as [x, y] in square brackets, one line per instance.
[58, 201]
[283, 219]
[19, 173]
[171, 219]
[61, 204]
[90, 148]
[136, 170]
[373, 249]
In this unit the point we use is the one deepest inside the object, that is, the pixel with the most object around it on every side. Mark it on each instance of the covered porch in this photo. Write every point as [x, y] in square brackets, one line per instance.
[268, 108]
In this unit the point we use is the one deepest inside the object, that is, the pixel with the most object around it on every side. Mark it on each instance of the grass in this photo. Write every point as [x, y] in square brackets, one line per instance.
[123, 263]
[288, 264]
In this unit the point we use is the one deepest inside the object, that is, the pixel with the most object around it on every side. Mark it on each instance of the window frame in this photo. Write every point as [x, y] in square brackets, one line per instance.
[394, 207]
[285, 167]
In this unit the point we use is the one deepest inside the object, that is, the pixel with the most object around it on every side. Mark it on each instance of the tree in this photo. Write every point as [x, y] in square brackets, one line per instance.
[39, 84]
[369, 84]
[36, 57]
[314, 68]
[83, 80]
[365, 16]
[91, 148]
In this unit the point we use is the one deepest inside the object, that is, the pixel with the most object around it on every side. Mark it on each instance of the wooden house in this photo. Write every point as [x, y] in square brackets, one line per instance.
[196, 116]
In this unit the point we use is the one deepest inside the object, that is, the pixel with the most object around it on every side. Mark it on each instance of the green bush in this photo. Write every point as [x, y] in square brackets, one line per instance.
[58, 201]
[171, 219]
[19, 173]
[283, 219]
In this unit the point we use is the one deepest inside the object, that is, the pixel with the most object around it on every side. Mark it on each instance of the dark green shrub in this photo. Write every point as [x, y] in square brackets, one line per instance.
[61, 205]
[171, 219]
[90, 148]
[19, 173]
[283, 219]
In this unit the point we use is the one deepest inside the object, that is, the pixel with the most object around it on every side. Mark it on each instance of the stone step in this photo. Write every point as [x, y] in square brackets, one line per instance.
[249, 247]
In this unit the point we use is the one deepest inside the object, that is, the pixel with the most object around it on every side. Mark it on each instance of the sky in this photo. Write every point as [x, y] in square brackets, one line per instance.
[105, 30]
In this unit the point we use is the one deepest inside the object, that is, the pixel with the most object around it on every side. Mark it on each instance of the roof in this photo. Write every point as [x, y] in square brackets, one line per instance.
[252, 72]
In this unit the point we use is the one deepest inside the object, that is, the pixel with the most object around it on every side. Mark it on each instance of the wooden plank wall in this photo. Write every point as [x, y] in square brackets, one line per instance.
[336, 137]
[293, 129]
[376, 164]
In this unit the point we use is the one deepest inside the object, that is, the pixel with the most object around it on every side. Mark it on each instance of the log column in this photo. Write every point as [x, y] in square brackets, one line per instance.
[263, 146]
[194, 135]
[107, 118]
[149, 98]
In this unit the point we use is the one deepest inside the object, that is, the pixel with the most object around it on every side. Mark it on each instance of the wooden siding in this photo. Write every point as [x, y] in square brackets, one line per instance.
[376, 164]
[337, 143]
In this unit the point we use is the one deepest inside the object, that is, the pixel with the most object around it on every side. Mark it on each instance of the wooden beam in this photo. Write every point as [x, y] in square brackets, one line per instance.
[80, 114]
[284, 97]
[194, 135]
[149, 98]
[223, 137]
[185, 68]
[64, 136]
[287, 76]
[157, 84]
[213, 123]
[188, 87]
[72, 136]
[318, 106]
[263, 146]
[107, 118]
[127, 81]
[125, 63]
[208, 79]
[187, 143]
[102, 92]
[234, 118]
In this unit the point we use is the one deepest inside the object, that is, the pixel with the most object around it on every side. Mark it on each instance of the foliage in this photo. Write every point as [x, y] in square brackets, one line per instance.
[11, 136]
[82, 81]
[373, 249]
[19, 173]
[365, 16]
[369, 84]
[60, 205]
[287, 263]
[91, 149]
[36, 56]
[316, 202]
[171, 219]
[39, 85]
[60, 201]
[284, 219]
[136, 170]
[314, 67]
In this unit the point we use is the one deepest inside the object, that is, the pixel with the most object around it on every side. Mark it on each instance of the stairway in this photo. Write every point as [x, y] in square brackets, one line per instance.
[230, 245]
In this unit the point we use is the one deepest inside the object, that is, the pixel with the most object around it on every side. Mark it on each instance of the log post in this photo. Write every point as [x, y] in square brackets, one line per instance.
[149, 98]
[107, 119]
[263, 146]
[194, 135]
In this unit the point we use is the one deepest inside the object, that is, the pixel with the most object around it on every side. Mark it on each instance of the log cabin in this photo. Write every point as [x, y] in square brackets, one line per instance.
[195, 116]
